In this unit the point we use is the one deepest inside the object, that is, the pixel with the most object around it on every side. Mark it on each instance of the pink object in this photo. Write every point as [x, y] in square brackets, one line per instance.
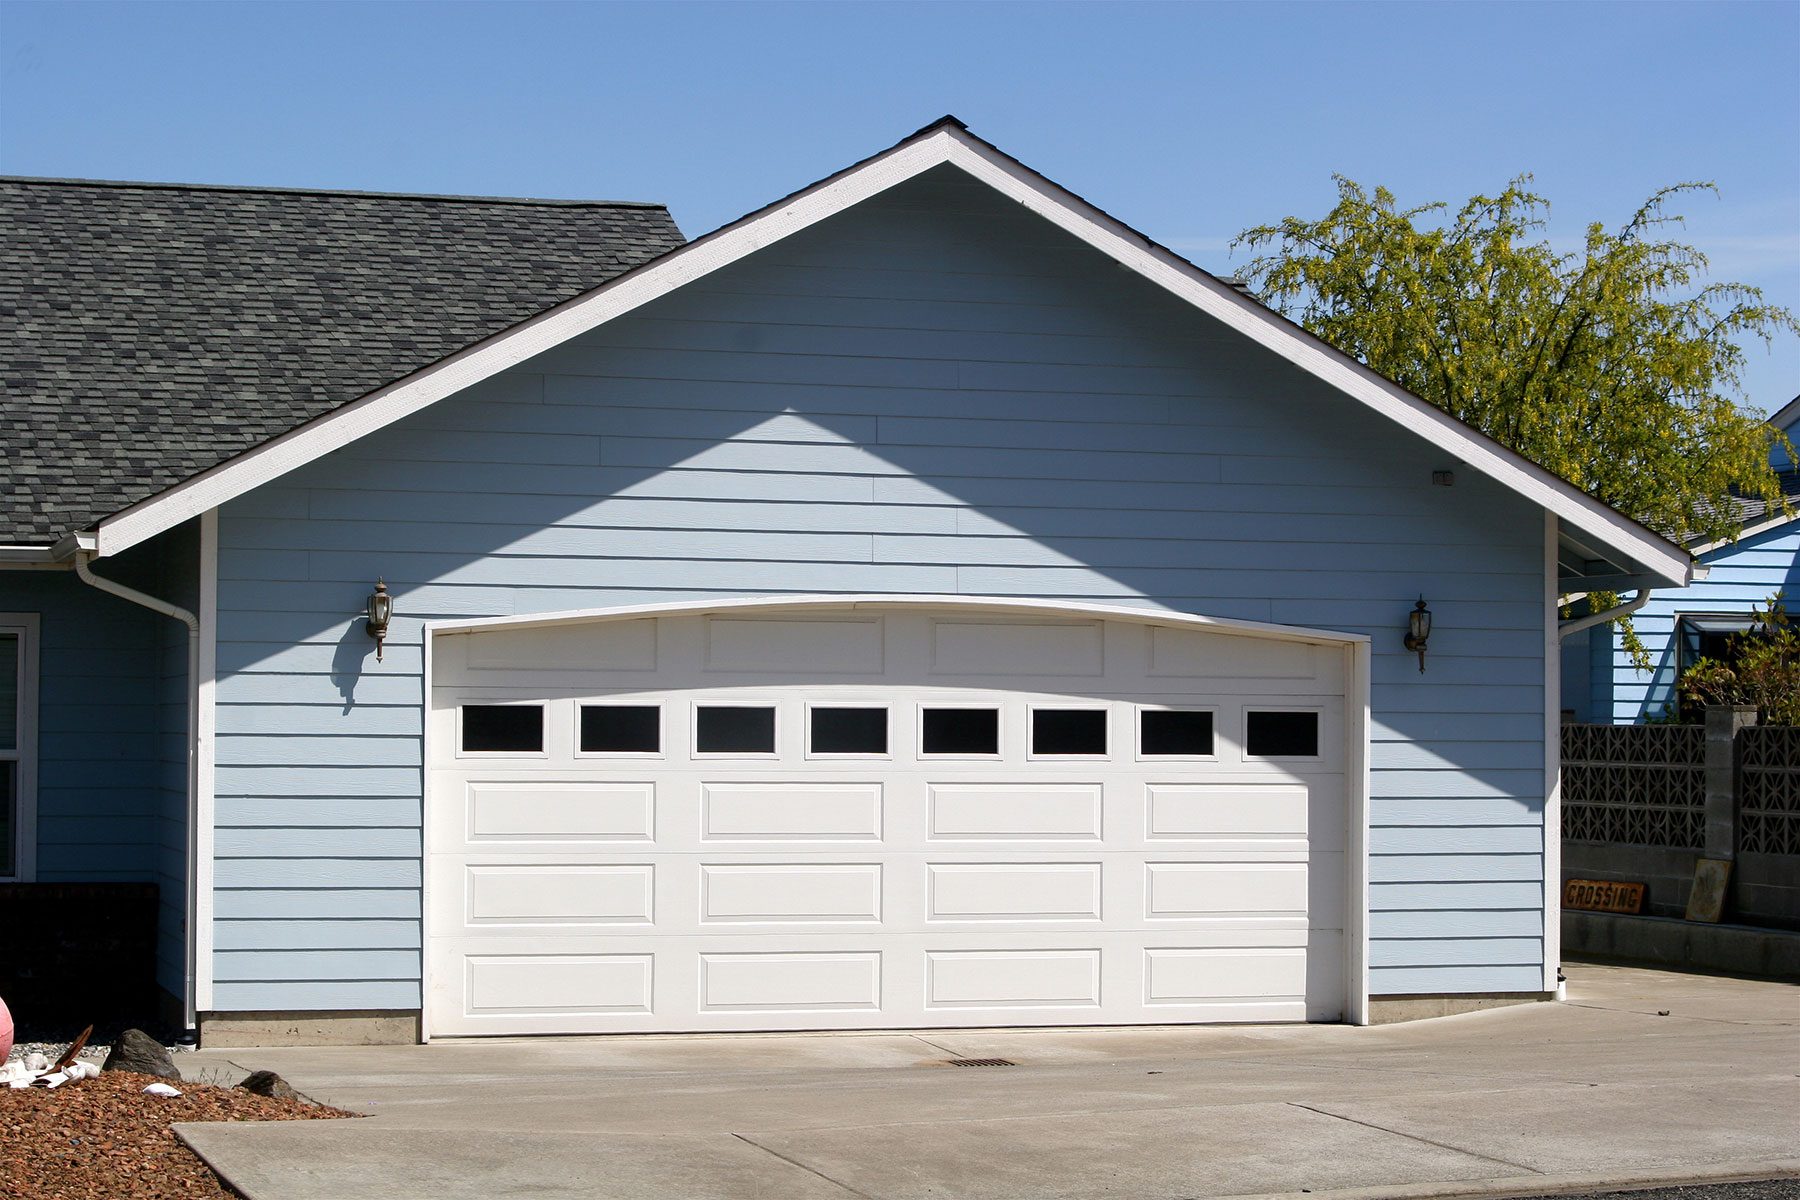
[6, 1031]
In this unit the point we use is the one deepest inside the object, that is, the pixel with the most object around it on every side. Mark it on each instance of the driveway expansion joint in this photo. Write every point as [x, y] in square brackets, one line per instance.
[1416, 1138]
[794, 1162]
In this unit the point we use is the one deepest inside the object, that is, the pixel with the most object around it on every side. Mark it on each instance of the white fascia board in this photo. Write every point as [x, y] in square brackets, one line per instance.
[1269, 329]
[1786, 415]
[941, 144]
[31, 558]
[1744, 534]
[548, 329]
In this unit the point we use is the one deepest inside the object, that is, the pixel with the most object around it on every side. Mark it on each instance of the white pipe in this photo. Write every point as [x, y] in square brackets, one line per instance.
[83, 559]
[1575, 625]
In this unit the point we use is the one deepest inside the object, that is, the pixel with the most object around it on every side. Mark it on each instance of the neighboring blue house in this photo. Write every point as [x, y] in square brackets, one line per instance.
[924, 601]
[1678, 626]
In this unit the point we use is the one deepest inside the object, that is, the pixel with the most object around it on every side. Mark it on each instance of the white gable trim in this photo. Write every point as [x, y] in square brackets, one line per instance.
[944, 143]
[1745, 534]
[1786, 415]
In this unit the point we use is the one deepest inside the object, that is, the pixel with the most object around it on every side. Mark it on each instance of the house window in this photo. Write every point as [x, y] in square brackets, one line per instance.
[1698, 636]
[18, 725]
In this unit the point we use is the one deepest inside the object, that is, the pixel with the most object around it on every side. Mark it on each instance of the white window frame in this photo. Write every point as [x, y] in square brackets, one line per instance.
[25, 626]
[661, 752]
[1001, 719]
[1137, 733]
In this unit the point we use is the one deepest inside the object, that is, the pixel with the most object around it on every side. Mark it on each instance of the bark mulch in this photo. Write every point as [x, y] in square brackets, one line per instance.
[103, 1138]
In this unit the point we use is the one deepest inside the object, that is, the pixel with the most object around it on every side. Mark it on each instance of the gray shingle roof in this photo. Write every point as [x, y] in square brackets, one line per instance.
[150, 331]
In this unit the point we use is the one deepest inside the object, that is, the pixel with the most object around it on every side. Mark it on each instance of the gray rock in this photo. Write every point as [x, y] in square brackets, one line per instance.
[138, 1051]
[268, 1083]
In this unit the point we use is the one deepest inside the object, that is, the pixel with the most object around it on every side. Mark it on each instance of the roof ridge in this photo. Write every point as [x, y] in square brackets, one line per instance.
[329, 193]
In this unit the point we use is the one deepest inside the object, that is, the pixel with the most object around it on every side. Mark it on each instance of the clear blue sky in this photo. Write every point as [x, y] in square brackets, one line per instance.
[1190, 121]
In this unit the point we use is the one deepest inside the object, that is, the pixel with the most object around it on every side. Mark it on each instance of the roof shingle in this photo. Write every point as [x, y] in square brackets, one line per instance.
[151, 331]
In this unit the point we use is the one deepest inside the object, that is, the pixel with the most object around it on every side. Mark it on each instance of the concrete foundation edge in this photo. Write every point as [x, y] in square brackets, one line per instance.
[344, 1028]
[1684, 945]
[1388, 1010]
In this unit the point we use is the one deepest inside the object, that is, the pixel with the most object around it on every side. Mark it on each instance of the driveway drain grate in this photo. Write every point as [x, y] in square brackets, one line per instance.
[981, 1062]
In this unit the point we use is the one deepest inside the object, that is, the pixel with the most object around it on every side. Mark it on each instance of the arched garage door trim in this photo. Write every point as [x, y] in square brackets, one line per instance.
[1356, 650]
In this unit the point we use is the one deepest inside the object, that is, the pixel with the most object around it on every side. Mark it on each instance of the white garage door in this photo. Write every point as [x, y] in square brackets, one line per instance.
[881, 818]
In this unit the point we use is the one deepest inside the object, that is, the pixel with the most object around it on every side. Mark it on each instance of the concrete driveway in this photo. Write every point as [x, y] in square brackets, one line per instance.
[1601, 1090]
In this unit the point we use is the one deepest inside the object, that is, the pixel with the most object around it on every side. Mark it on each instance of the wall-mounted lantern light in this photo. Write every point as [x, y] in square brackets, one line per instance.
[381, 611]
[1418, 630]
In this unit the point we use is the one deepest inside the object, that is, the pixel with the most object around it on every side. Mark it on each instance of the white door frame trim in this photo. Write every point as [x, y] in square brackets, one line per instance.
[1356, 647]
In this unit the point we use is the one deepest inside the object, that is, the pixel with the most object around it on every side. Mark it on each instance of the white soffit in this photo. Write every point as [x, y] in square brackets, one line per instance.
[944, 143]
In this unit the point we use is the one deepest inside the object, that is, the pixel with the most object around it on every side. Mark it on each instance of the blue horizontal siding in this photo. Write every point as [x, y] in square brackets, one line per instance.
[932, 394]
[99, 716]
[289, 994]
[1429, 981]
[1609, 687]
[371, 934]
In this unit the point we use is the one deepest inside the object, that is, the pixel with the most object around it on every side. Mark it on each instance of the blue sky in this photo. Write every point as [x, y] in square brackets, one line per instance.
[1189, 121]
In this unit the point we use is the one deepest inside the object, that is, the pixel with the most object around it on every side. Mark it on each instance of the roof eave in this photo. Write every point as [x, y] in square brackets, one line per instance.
[946, 141]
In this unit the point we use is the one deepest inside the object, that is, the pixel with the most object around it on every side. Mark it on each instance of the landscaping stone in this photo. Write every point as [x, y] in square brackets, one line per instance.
[137, 1051]
[268, 1083]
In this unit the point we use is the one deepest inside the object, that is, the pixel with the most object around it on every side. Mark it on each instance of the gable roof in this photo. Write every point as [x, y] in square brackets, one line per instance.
[948, 141]
[149, 332]
[1787, 415]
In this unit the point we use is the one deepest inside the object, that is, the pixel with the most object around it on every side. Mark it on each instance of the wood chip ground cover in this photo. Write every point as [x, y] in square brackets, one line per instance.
[103, 1138]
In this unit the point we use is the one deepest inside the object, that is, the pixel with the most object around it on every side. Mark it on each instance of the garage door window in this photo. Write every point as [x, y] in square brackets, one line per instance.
[1175, 733]
[859, 732]
[502, 729]
[1281, 733]
[1058, 732]
[734, 729]
[621, 729]
[960, 732]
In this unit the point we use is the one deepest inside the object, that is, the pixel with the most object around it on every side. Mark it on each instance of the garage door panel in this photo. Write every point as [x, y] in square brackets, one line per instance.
[509, 811]
[791, 982]
[1003, 811]
[1215, 811]
[573, 984]
[1016, 891]
[783, 892]
[791, 811]
[559, 894]
[1212, 975]
[640, 886]
[1010, 979]
[1224, 889]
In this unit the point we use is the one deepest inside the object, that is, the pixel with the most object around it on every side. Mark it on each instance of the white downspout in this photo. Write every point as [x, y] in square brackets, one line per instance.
[82, 568]
[1574, 625]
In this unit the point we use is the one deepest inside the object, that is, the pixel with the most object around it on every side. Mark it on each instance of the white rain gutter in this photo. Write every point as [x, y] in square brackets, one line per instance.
[1574, 625]
[83, 558]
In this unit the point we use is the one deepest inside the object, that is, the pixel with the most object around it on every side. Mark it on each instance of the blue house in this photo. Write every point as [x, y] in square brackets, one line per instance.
[923, 602]
[1602, 685]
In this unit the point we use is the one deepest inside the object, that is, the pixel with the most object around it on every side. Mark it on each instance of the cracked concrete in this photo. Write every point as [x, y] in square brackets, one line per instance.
[1602, 1090]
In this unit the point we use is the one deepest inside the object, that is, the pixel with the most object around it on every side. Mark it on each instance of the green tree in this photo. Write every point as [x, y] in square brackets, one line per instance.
[1609, 365]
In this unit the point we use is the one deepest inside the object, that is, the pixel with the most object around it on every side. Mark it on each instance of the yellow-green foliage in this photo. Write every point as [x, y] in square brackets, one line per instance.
[1606, 365]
